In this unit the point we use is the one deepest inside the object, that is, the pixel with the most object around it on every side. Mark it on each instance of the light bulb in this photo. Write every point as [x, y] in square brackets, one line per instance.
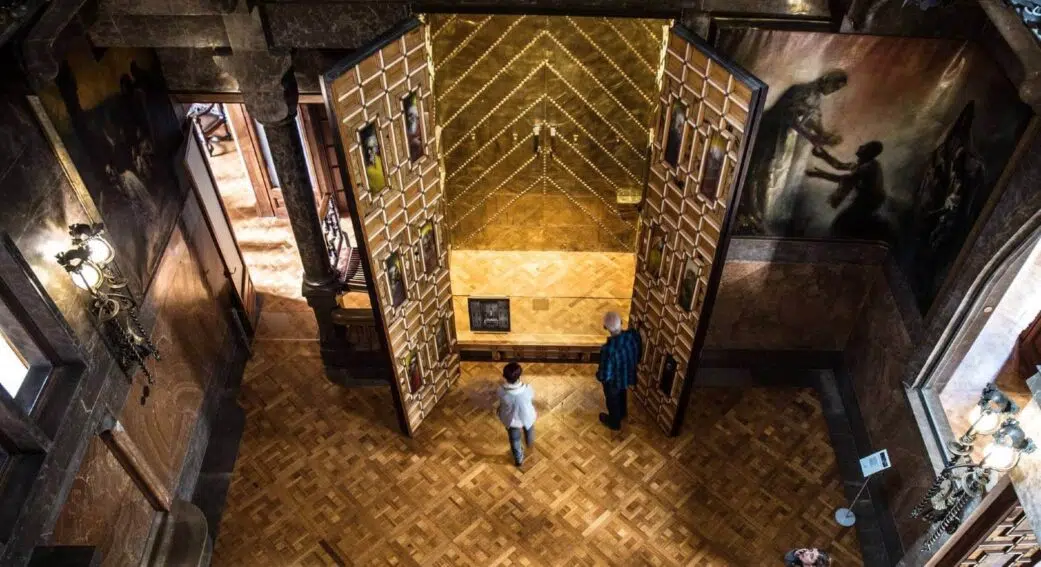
[100, 250]
[999, 457]
[87, 276]
[984, 423]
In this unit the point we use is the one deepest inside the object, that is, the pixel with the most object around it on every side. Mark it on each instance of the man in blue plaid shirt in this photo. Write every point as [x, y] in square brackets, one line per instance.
[617, 371]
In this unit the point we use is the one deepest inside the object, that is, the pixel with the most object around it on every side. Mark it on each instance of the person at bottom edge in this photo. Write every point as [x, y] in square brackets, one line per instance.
[517, 410]
[806, 557]
[617, 371]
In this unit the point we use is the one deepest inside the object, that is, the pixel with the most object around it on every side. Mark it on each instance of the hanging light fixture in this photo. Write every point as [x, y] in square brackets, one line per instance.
[90, 265]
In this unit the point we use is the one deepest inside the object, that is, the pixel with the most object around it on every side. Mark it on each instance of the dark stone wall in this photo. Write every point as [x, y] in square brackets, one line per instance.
[82, 494]
[782, 306]
[843, 298]
[780, 294]
[876, 359]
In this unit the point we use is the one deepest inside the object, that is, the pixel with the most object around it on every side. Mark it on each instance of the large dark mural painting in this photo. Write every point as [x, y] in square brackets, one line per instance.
[113, 115]
[864, 137]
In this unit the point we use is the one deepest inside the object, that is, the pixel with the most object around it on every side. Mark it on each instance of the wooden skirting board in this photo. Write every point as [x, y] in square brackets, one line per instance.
[530, 351]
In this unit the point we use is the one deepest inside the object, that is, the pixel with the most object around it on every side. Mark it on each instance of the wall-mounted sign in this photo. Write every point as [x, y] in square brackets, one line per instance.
[875, 462]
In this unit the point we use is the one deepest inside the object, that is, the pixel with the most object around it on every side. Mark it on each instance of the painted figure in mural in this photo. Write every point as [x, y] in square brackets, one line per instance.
[793, 124]
[121, 142]
[949, 198]
[864, 180]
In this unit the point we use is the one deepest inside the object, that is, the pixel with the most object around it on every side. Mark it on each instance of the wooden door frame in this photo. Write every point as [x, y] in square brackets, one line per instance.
[248, 144]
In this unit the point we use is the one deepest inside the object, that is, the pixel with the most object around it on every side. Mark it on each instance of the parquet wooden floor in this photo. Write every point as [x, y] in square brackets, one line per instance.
[324, 478]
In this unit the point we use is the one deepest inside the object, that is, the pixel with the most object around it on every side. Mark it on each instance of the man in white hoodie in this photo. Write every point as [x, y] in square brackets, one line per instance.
[516, 410]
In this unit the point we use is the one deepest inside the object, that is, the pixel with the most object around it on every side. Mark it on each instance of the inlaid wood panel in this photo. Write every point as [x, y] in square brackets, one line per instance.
[392, 199]
[706, 112]
[556, 297]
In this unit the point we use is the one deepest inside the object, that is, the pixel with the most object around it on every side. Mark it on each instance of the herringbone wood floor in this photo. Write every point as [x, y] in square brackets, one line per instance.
[324, 478]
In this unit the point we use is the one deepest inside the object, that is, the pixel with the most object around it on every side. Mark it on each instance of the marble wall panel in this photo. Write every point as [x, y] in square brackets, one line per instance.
[189, 331]
[555, 297]
[876, 357]
[781, 306]
[193, 70]
[105, 509]
[330, 25]
[133, 30]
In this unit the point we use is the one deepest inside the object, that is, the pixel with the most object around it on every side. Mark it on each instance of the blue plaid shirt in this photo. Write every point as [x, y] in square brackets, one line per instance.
[618, 359]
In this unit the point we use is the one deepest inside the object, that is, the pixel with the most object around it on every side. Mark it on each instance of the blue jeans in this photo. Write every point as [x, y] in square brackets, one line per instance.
[515, 441]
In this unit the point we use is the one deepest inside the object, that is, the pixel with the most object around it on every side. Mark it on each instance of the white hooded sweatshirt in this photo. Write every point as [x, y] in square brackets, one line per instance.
[515, 405]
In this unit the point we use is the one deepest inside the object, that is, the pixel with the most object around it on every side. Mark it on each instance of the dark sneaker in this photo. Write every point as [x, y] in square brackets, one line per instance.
[606, 420]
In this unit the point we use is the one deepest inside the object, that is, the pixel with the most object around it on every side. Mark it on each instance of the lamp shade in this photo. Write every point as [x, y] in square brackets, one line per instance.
[1010, 441]
[984, 420]
[84, 273]
[88, 276]
[90, 236]
[101, 252]
[999, 457]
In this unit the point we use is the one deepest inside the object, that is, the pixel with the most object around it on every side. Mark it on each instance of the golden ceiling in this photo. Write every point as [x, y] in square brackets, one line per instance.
[591, 80]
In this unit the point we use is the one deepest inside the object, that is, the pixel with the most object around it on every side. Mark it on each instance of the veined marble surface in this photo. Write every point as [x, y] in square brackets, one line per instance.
[1026, 478]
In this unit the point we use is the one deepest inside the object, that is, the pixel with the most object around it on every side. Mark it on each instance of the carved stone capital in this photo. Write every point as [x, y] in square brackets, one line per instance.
[267, 83]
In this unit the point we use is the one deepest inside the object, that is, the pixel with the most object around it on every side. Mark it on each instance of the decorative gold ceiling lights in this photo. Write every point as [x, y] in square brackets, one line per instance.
[544, 127]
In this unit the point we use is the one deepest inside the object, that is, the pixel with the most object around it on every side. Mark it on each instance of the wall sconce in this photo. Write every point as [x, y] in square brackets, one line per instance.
[535, 131]
[89, 264]
[552, 138]
[963, 480]
[91, 237]
[984, 418]
[1003, 452]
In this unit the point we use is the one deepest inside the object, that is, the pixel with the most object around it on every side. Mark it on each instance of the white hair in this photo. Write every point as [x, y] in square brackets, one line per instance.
[613, 322]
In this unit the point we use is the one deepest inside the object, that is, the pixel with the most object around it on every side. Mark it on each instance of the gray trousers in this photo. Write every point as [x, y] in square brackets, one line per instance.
[515, 441]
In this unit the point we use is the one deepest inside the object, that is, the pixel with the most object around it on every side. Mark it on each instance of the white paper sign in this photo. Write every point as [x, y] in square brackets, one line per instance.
[875, 462]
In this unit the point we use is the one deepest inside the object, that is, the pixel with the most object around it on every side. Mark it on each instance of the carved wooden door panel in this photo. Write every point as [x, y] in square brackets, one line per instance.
[382, 105]
[707, 114]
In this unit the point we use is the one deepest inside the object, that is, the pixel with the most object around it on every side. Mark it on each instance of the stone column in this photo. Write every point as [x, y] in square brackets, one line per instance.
[269, 89]
[287, 152]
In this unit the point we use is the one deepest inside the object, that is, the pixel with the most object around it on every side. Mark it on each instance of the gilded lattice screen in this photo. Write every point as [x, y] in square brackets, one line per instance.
[384, 110]
[588, 85]
[706, 114]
